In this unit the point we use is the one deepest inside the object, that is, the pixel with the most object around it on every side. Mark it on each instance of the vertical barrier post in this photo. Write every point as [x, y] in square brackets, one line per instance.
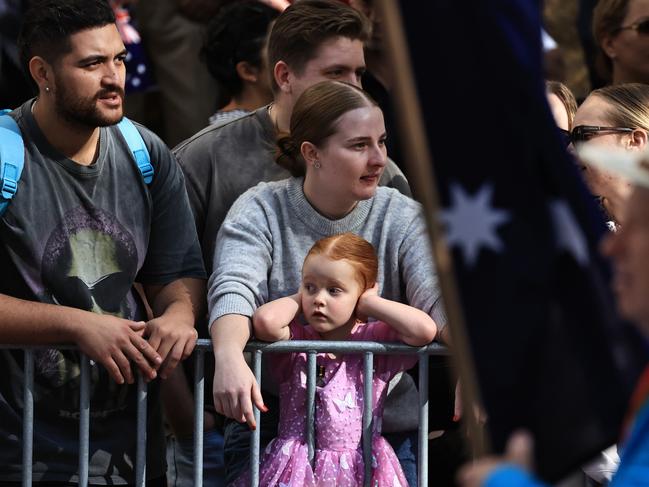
[310, 404]
[368, 377]
[199, 400]
[423, 420]
[140, 456]
[84, 420]
[255, 442]
[28, 417]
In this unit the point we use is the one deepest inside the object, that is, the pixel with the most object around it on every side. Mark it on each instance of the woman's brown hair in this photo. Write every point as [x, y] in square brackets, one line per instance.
[355, 250]
[314, 119]
[567, 98]
[607, 20]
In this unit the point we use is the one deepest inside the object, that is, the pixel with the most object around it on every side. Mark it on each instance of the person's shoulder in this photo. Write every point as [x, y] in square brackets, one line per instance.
[391, 197]
[266, 190]
[159, 153]
[393, 177]
[263, 195]
[222, 136]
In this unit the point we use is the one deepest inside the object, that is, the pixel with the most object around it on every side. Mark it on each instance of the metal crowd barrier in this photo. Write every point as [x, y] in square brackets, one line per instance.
[368, 349]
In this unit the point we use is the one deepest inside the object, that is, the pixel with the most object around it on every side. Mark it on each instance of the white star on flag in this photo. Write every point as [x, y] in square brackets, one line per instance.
[568, 234]
[471, 222]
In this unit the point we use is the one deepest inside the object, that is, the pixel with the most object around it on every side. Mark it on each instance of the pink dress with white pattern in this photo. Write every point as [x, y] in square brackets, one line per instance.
[338, 418]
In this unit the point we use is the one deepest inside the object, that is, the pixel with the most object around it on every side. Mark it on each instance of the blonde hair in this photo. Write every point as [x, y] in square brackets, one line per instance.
[628, 104]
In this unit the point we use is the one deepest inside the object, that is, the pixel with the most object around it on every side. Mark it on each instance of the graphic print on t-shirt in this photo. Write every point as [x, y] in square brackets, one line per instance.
[89, 263]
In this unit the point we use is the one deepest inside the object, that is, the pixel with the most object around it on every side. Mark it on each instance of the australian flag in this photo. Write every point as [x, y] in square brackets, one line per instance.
[550, 353]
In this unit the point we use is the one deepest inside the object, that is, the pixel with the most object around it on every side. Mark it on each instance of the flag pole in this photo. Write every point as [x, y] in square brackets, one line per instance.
[422, 180]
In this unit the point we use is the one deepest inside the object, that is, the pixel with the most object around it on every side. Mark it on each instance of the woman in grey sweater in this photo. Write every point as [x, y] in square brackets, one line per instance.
[336, 151]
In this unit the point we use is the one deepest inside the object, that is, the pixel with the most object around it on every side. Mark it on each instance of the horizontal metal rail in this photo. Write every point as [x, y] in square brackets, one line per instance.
[311, 347]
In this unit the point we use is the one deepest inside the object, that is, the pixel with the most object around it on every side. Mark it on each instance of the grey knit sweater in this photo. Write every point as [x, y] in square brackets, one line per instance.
[268, 231]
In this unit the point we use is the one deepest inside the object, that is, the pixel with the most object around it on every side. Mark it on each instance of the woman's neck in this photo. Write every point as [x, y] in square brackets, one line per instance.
[320, 199]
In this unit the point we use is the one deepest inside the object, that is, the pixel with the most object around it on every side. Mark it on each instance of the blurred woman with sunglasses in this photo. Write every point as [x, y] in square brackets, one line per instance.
[616, 116]
[621, 30]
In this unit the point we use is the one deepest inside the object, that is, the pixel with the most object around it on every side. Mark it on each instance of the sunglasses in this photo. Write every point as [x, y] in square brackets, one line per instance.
[641, 27]
[583, 133]
[108, 292]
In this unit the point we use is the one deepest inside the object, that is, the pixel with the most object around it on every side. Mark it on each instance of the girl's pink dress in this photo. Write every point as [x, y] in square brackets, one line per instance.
[338, 417]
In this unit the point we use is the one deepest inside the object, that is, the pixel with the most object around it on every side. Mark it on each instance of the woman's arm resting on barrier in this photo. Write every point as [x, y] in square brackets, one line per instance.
[107, 339]
[270, 321]
[413, 325]
[175, 307]
[235, 387]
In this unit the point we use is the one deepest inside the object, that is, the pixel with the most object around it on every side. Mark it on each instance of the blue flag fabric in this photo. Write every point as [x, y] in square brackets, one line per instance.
[550, 353]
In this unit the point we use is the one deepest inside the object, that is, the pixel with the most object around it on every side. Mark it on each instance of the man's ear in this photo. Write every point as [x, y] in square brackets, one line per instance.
[247, 72]
[42, 74]
[283, 76]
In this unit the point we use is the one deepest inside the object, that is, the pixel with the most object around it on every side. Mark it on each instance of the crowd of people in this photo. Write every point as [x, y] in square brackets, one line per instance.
[267, 208]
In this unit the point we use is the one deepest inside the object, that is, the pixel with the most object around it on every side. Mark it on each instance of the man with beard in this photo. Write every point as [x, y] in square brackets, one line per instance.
[82, 228]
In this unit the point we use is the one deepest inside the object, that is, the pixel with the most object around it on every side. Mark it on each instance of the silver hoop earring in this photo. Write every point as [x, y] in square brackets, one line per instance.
[317, 165]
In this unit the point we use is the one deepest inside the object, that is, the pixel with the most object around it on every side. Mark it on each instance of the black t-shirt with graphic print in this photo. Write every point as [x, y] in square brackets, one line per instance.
[81, 236]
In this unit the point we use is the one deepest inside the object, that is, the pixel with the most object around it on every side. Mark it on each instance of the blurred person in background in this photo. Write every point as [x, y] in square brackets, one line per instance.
[235, 54]
[621, 31]
[14, 85]
[562, 104]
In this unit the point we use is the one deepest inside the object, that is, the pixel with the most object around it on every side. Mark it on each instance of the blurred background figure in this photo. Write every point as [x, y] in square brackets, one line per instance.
[235, 54]
[621, 31]
[563, 105]
[14, 85]
[554, 63]
[172, 32]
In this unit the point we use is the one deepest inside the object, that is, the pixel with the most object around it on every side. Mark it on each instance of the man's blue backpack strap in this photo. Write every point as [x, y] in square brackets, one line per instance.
[139, 150]
[12, 158]
[12, 155]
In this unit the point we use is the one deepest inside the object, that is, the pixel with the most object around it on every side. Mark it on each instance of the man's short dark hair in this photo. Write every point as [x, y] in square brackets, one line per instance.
[237, 33]
[300, 30]
[48, 25]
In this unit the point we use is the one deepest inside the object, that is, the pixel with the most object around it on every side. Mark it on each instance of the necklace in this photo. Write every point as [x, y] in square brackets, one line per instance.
[273, 117]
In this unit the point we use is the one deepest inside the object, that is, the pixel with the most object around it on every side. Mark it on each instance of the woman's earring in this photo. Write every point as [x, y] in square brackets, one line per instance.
[317, 165]
[47, 89]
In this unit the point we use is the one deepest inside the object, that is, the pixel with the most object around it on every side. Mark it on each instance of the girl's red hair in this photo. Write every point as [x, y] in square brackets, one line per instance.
[354, 249]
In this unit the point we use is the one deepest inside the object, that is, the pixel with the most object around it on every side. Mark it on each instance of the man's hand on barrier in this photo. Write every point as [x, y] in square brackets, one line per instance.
[235, 387]
[175, 306]
[114, 341]
[173, 340]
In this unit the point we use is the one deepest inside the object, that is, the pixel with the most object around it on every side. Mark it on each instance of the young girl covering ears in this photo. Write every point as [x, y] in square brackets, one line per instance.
[338, 288]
